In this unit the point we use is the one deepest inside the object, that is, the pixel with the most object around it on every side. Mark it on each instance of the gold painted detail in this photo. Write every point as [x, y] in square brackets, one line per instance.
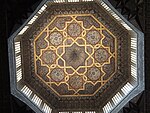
[75, 55]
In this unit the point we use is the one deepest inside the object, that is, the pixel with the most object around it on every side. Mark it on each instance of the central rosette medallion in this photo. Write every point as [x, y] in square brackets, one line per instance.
[75, 55]
[75, 58]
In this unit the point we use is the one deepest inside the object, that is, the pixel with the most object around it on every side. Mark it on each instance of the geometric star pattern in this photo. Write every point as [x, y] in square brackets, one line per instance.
[78, 53]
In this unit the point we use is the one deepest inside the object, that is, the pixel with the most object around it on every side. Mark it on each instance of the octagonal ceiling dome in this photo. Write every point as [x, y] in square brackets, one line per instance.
[76, 56]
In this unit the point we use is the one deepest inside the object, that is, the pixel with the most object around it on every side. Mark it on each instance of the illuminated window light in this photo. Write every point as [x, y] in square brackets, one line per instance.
[133, 45]
[17, 47]
[107, 108]
[134, 72]
[133, 62]
[32, 20]
[19, 75]
[77, 112]
[126, 26]
[26, 91]
[133, 40]
[90, 112]
[23, 30]
[46, 108]
[104, 110]
[127, 88]
[73, 0]
[133, 58]
[17, 43]
[36, 100]
[42, 9]
[70, 0]
[18, 61]
[117, 98]
[87, 0]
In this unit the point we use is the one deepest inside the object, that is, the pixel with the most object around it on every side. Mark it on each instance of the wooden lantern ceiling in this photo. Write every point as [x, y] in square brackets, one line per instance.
[74, 56]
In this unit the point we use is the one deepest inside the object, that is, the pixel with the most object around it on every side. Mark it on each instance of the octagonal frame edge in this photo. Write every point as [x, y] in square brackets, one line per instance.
[12, 67]
[140, 63]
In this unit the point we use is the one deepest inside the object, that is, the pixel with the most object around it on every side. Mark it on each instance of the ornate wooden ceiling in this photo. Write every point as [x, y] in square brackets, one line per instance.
[75, 56]
[62, 58]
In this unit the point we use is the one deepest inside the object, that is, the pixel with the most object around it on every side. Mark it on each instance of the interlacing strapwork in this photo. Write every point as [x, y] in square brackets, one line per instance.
[75, 55]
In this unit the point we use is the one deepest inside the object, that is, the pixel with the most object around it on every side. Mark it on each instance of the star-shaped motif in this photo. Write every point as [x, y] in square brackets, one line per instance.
[75, 56]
